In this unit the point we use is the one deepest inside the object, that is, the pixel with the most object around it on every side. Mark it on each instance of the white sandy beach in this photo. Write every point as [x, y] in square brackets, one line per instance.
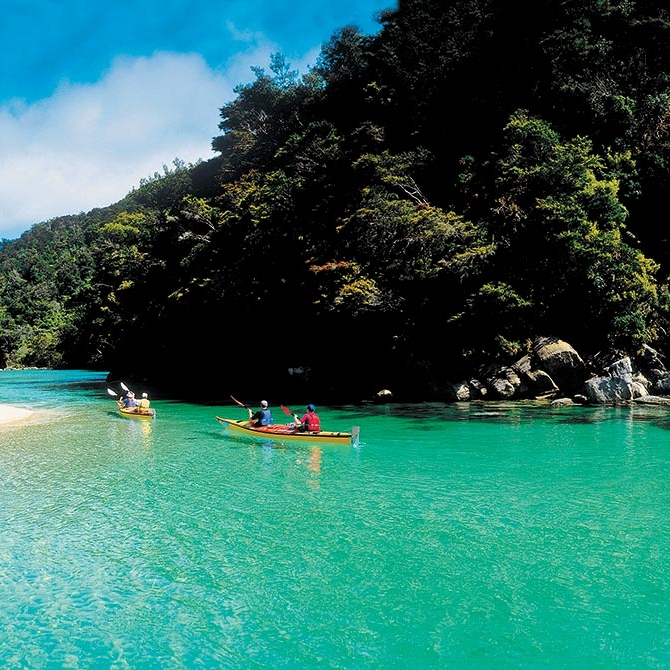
[10, 413]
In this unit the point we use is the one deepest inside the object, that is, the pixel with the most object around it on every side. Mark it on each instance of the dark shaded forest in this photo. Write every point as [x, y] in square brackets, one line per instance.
[423, 201]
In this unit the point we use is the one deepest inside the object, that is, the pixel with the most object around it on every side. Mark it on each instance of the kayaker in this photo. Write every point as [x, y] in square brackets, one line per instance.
[128, 400]
[310, 420]
[144, 403]
[262, 417]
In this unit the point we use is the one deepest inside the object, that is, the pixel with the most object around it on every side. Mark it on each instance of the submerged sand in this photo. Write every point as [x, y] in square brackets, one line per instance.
[10, 413]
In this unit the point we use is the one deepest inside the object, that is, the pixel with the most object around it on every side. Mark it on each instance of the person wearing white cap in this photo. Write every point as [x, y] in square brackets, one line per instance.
[263, 416]
[144, 403]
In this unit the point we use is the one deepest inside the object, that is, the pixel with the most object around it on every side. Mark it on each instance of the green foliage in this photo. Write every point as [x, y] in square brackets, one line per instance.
[344, 289]
[473, 175]
[559, 228]
[162, 191]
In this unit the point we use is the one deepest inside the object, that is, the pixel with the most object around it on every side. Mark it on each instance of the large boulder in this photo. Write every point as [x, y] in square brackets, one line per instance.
[561, 362]
[649, 362]
[459, 392]
[608, 390]
[537, 382]
[617, 385]
[621, 369]
[503, 382]
[464, 391]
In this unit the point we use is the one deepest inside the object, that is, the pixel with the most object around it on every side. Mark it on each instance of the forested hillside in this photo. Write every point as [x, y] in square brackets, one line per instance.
[424, 200]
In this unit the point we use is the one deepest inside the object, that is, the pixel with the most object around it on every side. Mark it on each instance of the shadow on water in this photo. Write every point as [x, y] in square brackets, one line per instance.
[511, 412]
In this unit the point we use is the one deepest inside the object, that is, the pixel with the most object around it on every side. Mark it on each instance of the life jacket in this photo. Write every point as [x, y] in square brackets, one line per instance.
[266, 419]
[312, 421]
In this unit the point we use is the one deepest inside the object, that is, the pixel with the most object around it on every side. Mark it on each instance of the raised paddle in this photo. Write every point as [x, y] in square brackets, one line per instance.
[111, 392]
[286, 410]
[241, 404]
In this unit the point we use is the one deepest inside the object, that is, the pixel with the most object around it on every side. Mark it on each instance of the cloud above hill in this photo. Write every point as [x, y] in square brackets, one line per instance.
[94, 97]
[88, 145]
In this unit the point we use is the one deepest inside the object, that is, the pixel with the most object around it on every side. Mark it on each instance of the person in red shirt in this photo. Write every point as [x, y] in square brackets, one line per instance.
[310, 420]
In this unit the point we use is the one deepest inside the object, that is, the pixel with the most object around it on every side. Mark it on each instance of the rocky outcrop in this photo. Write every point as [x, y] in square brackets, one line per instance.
[554, 370]
[602, 390]
[502, 382]
[467, 390]
[560, 361]
[537, 382]
[653, 400]
[614, 386]
[651, 370]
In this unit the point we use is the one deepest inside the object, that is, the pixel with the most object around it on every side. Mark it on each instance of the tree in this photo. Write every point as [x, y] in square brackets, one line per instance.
[562, 249]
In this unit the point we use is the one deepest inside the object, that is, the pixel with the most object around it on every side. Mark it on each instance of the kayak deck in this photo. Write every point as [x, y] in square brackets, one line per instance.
[290, 432]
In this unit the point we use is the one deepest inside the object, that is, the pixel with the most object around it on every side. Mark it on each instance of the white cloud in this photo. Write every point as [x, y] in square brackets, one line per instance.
[87, 146]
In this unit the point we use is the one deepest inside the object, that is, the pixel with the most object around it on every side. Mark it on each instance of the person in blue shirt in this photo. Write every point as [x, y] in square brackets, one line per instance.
[262, 417]
[128, 400]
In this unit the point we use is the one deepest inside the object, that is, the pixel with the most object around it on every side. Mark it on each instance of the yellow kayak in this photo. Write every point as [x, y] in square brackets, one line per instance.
[282, 431]
[138, 412]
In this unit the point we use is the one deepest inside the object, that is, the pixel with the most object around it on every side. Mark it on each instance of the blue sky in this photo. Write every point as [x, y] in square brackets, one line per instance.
[96, 96]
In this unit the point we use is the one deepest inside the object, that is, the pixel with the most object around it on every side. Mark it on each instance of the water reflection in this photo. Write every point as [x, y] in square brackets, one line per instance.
[314, 466]
[268, 451]
[131, 433]
[518, 411]
[314, 463]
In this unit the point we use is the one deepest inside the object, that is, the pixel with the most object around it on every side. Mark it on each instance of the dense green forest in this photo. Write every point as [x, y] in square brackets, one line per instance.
[424, 200]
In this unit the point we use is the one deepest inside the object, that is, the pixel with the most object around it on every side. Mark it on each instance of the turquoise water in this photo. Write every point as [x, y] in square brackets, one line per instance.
[477, 536]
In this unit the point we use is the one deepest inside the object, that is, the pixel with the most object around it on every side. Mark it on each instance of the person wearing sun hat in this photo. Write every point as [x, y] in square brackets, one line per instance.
[310, 421]
[128, 400]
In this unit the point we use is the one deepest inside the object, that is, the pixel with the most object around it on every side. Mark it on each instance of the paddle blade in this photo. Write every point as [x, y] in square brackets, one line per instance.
[111, 392]
[355, 434]
[286, 410]
[124, 387]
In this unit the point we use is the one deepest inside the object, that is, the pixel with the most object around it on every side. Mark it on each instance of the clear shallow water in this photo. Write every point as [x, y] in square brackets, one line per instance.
[476, 536]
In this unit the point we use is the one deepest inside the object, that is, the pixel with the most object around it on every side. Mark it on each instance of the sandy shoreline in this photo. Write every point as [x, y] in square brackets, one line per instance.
[10, 413]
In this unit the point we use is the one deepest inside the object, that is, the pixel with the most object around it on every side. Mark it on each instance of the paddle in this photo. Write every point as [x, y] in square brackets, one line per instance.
[113, 393]
[286, 410]
[241, 404]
